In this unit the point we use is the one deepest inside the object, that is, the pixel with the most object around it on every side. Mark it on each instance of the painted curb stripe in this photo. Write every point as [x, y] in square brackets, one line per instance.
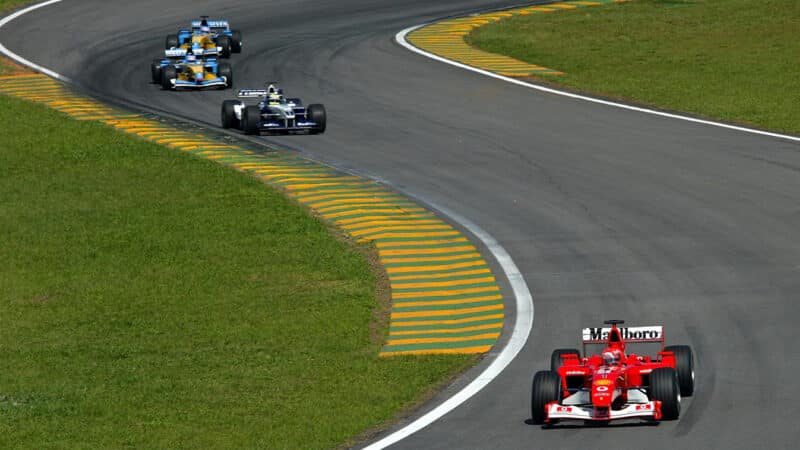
[448, 39]
[444, 296]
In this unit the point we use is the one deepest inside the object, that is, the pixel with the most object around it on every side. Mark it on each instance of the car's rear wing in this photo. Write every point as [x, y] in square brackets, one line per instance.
[630, 335]
[213, 24]
[252, 93]
[176, 52]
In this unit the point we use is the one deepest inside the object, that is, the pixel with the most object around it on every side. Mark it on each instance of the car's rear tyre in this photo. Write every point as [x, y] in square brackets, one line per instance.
[664, 387]
[171, 41]
[555, 357]
[250, 117]
[236, 41]
[155, 71]
[316, 113]
[224, 42]
[167, 74]
[684, 365]
[224, 70]
[546, 388]
[228, 113]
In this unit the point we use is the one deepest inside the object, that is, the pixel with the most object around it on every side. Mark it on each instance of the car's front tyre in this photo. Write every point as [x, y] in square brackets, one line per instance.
[250, 118]
[155, 71]
[225, 70]
[546, 388]
[664, 387]
[228, 113]
[684, 366]
[168, 74]
[316, 113]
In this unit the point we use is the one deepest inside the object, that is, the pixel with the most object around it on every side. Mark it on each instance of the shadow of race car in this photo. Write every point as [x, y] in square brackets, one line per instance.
[273, 113]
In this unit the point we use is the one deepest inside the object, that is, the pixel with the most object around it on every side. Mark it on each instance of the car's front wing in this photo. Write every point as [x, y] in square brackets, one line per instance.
[286, 125]
[178, 83]
[650, 410]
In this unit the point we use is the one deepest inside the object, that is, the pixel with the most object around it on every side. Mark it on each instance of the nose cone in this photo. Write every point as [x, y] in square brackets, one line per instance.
[198, 76]
[602, 393]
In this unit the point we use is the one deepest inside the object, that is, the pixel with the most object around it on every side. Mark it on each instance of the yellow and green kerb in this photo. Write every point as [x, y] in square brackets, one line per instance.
[444, 296]
[447, 39]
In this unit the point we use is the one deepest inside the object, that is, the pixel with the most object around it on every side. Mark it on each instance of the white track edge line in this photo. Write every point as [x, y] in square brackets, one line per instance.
[400, 37]
[22, 60]
[524, 301]
[519, 335]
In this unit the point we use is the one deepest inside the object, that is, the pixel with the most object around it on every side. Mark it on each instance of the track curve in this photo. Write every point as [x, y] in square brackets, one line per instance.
[607, 212]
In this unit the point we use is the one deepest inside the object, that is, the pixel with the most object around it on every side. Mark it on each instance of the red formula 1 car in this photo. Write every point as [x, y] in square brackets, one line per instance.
[614, 384]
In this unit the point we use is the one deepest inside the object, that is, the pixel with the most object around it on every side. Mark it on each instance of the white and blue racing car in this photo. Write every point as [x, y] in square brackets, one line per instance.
[274, 113]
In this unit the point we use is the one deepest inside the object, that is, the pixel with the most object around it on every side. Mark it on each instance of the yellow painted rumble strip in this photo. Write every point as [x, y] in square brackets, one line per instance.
[437, 284]
[442, 339]
[446, 312]
[432, 258]
[488, 326]
[417, 243]
[454, 302]
[480, 349]
[434, 276]
[392, 270]
[368, 231]
[400, 211]
[416, 323]
[477, 290]
[426, 251]
[367, 218]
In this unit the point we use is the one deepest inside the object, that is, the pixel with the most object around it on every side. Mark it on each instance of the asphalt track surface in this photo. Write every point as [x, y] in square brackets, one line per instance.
[608, 213]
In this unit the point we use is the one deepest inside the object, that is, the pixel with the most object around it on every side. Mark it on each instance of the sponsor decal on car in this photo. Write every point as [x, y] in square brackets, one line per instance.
[599, 334]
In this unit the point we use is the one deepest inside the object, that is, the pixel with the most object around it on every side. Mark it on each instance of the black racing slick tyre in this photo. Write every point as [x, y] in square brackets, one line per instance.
[250, 117]
[224, 70]
[546, 388]
[224, 42]
[167, 75]
[684, 365]
[155, 71]
[171, 41]
[229, 119]
[236, 41]
[555, 357]
[664, 387]
[316, 113]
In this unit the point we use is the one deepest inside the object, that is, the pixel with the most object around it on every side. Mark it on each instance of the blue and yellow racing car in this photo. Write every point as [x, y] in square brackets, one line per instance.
[208, 35]
[183, 69]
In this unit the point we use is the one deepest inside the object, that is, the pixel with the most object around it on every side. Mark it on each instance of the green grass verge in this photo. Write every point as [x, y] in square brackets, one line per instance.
[736, 60]
[157, 300]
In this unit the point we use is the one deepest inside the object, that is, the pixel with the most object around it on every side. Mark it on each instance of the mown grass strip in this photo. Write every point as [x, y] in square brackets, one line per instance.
[154, 299]
[735, 60]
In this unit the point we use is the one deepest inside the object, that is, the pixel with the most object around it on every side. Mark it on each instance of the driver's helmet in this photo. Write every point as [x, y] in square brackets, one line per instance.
[274, 99]
[205, 28]
[612, 357]
[191, 58]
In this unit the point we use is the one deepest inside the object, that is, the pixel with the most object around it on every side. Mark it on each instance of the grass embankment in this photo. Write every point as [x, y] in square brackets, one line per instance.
[736, 60]
[157, 300]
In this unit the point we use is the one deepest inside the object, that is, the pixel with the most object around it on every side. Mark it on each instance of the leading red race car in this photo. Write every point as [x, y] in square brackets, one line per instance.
[614, 385]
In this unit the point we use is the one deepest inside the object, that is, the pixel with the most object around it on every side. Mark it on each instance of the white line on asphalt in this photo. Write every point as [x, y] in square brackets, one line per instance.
[401, 39]
[20, 59]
